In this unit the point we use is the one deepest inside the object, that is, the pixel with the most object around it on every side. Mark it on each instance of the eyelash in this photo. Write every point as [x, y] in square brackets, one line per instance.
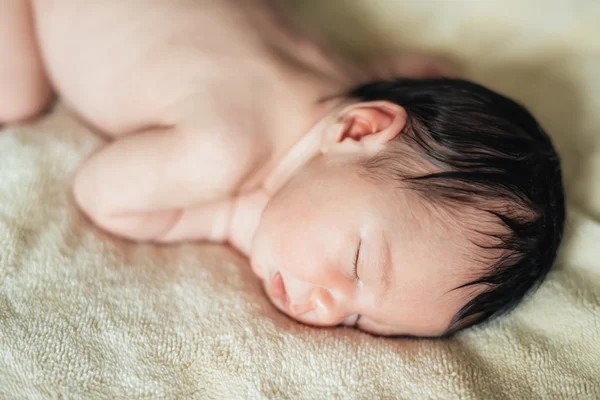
[356, 261]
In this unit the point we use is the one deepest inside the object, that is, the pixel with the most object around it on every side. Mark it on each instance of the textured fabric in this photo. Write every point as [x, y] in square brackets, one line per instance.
[84, 315]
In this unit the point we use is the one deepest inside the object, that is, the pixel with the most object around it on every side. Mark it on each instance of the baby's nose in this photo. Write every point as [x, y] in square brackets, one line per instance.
[321, 308]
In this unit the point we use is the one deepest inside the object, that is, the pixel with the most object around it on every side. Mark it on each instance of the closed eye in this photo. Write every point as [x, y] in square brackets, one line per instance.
[356, 261]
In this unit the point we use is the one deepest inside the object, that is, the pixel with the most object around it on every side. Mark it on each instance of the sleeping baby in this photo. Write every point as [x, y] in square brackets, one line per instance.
[382, 196]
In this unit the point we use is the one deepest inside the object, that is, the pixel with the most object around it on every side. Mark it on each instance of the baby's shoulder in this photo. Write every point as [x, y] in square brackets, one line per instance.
[225, 142]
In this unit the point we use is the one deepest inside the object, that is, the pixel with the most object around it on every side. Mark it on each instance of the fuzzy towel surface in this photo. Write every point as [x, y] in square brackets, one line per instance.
[87, 316]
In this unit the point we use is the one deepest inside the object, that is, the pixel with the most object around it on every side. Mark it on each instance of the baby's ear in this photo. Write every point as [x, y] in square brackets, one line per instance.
[375, 121]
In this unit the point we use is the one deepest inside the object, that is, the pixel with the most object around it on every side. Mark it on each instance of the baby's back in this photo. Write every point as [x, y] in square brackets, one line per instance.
[127, 65]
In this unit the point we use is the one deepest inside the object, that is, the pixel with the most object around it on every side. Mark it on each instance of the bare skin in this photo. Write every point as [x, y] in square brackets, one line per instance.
[217, 130]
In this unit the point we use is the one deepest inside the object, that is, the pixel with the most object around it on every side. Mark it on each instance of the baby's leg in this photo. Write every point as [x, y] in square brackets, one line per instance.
[24, 88]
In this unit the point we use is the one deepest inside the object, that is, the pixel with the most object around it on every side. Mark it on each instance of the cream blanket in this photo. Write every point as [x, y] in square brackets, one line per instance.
[84, 316]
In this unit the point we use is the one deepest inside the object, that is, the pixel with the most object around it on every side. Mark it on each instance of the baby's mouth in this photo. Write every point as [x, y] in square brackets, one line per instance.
[278, 292]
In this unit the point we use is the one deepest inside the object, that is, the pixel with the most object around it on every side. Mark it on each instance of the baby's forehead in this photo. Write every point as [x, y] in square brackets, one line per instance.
[436, 251]
[437, 246]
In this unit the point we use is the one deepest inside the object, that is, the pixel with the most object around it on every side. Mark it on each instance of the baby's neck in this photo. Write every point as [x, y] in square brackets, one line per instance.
[307, 147]
[296, 129]
[295, 108]
[297, 116]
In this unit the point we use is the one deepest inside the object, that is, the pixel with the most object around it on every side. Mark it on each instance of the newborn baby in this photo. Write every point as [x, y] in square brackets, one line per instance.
[401, 206]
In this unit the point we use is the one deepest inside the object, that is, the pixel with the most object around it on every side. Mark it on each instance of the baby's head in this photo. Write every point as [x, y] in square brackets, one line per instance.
[434, 204]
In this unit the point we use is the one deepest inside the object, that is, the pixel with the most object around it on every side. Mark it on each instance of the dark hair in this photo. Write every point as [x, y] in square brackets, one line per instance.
[490, 151]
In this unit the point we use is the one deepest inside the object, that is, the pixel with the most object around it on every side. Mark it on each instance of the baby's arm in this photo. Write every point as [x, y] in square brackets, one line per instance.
[160, 185]
[24, 88]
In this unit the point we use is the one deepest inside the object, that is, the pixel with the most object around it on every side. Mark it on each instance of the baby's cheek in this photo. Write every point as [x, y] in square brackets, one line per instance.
[265, 255]
[294, 237]
[245, 219]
